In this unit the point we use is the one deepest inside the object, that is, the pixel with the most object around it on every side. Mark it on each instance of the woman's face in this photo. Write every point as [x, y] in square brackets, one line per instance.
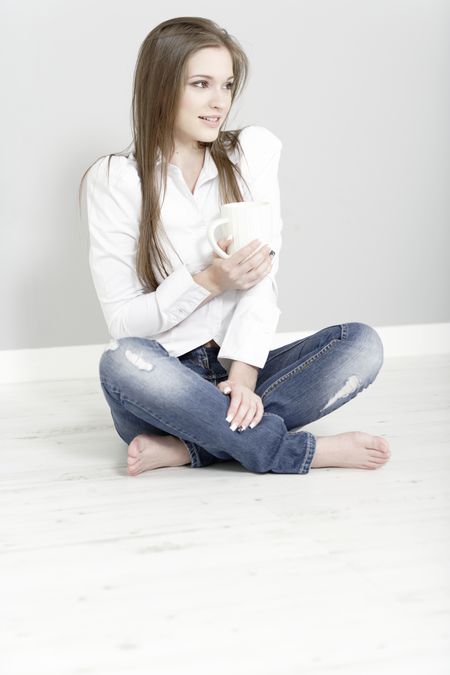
[204, 96]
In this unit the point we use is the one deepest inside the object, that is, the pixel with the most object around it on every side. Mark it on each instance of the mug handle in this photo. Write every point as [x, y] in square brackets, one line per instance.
[212, 236]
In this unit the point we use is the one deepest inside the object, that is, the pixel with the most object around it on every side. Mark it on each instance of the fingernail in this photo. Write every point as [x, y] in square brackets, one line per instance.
[252, 426]
[230, 417]
[230, 236]
[227, 390]
[272, 253]
[233, 427]
[241, 429]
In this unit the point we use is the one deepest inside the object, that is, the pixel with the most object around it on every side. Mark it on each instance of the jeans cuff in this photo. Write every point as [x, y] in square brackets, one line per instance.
[193, 454]
[310, 451]
[201, 457]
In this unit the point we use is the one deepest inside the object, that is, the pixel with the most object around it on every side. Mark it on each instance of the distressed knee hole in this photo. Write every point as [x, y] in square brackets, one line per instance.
[349, 387]
[138, 361]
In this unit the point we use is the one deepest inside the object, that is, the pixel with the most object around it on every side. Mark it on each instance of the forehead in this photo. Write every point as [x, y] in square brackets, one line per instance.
[214, 61]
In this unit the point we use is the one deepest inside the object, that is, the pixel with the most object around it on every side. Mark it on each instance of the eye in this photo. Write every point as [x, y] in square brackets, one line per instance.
[229, 84]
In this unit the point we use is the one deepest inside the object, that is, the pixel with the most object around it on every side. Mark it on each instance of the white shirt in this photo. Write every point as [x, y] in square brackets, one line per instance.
[242, 322]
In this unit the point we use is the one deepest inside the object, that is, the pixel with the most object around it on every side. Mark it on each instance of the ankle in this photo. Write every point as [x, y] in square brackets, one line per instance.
[177, 448]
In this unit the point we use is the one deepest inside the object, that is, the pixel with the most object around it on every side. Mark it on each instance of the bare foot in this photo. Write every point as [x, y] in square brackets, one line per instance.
[351, 450]
[150, 451]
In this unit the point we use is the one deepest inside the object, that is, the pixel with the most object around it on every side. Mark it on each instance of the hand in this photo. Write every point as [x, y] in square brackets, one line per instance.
[243, 269]
[246, 408]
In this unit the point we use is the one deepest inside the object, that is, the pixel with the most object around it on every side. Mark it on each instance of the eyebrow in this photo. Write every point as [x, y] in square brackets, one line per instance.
[208, 77]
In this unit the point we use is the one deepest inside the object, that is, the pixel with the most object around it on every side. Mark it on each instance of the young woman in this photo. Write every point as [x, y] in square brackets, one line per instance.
[189, 375]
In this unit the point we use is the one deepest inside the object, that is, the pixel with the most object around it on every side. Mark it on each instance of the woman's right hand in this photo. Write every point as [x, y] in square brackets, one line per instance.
[243, 269]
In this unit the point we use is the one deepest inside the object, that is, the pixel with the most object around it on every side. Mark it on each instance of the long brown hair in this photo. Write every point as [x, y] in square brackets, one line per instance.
[157, 87]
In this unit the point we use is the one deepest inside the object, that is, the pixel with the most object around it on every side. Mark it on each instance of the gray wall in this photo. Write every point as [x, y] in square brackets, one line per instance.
[358, 92]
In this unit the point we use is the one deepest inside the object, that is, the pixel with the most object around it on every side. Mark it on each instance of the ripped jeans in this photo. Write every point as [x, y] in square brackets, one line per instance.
[149, 391]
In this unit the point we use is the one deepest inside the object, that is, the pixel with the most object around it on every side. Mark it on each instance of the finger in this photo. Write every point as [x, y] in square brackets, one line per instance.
[256, 265]
[258, 417]
[248, 417]
[240, 416]
[224, 387]
[234, 406]
[242, 253]
[256, 261]
[254, 272]
[224, 243]
[245, 413]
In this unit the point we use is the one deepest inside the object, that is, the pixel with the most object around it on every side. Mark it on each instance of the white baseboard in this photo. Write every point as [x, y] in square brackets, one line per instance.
[79, 362]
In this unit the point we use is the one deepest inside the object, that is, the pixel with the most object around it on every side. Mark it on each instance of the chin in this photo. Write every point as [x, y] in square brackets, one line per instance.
[206, 138]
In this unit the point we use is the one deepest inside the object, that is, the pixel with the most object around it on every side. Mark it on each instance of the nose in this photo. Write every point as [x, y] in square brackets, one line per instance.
[219, 100]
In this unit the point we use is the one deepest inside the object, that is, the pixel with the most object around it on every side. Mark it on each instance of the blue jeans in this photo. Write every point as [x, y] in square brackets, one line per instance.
[149, 391]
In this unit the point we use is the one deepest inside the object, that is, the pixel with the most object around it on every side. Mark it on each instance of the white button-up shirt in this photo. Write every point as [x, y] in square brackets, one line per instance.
[242, 322]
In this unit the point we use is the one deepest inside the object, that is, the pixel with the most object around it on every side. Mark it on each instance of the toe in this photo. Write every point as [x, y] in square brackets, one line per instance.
[377, 454]
[378, 459]
[133, 452]
[375, 464]
[380, 443]
[385, 443]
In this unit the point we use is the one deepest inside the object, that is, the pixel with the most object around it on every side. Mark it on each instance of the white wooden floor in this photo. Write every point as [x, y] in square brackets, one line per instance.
[218, 570]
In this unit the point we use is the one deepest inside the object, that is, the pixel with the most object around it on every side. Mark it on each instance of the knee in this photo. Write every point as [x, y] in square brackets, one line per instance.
[368, 344]
[128, 353]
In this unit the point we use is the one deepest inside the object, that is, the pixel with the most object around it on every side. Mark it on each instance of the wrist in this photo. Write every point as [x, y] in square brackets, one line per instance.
[205, 279]
[243, 373]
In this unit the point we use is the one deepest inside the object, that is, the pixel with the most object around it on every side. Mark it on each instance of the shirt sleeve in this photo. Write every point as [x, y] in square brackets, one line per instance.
[255, 319]
[113, 213]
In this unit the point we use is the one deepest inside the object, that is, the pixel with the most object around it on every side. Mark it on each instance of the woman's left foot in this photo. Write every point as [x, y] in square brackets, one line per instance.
[150, 451]
[351, 450]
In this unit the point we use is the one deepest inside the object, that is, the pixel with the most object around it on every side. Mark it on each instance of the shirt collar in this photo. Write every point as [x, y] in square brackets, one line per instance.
[209, 169]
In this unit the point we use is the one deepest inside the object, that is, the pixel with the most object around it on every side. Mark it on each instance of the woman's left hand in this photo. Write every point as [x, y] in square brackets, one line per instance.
[246, 408]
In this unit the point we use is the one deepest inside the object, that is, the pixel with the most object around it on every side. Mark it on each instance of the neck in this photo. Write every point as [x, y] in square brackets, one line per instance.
[183, 156]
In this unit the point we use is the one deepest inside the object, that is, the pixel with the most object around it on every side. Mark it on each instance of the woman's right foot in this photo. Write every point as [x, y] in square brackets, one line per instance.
[351, 450]
[151, 451]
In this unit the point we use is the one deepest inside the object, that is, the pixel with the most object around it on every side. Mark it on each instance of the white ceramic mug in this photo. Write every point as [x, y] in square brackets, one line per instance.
[244, 221]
